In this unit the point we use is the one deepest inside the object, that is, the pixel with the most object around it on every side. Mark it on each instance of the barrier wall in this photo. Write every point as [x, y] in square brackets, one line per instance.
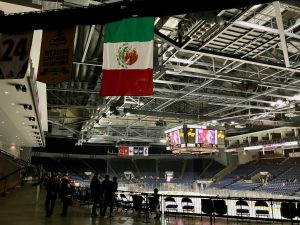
[215, 207]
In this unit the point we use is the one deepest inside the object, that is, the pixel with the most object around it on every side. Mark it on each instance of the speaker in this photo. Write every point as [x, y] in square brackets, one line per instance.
[207, 206]
[288, 210]
[220, 207]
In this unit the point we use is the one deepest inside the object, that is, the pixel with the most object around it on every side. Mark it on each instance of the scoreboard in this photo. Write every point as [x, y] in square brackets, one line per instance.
[194, 139]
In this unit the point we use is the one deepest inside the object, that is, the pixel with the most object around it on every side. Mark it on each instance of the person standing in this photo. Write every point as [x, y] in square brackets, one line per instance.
[108, 192]
[95, 187]
[65, 194]
[115, 190]
[52, 187]
[156, 204]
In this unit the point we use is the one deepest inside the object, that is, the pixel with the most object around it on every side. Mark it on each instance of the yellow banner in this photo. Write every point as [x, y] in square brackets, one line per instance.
[56, 55]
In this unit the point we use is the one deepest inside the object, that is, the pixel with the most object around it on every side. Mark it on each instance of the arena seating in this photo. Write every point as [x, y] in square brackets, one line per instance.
[146, 167]
[285, 176]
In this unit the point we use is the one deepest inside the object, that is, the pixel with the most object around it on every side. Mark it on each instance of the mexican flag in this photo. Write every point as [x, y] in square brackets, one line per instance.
[128, 58]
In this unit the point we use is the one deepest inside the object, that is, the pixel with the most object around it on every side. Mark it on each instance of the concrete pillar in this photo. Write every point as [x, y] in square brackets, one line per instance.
[296, 132]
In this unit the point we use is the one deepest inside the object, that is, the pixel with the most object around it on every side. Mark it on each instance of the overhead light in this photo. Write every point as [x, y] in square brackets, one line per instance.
[20, 87]
[162, 141]
[156, 20]
[12, 104]
[255, 7]
[279, 104]
[291, 114]
[296, 97]
[141, 103]
[6, 92]
[127, 114]
[3, 122]
[27, 107]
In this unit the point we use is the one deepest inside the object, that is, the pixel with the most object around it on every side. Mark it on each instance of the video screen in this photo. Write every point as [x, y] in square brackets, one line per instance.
[221, 137]
[175, 138]
[191, 134]
[204, 136]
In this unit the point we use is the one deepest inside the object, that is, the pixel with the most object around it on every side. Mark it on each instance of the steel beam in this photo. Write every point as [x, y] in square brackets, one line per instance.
[281, 33]
[208, 74]
[220, 55]
[170, 114]
[266, 29]
[87, 43]
[241, 106]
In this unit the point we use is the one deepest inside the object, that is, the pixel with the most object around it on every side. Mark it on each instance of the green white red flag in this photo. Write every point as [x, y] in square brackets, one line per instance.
[128, 58]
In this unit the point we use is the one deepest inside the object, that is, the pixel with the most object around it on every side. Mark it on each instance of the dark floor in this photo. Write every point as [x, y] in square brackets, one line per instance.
[19, 207]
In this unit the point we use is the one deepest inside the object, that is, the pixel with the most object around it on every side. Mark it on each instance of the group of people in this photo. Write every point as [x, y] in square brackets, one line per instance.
[57, 185]
[103, 193]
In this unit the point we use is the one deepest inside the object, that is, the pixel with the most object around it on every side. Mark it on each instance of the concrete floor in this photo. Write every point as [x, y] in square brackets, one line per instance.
[19, 207]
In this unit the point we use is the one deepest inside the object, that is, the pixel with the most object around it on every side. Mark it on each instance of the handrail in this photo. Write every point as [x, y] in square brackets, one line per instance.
[8, 175]
[5, 178]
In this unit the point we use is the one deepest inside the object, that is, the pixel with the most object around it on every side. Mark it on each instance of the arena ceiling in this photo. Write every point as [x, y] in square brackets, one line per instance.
[237, 68]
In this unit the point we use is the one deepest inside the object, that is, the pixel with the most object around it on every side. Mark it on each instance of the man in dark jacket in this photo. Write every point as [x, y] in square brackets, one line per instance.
[52, 187]
[108, 189]
[65, 194]
[95, 187]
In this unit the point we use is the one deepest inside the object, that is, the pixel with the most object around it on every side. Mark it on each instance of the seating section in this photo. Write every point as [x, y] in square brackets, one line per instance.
[284, 180]
[120, 165]
[146, 167]
[174, 165]
[212, 170]
[243, 171]
[98, 165]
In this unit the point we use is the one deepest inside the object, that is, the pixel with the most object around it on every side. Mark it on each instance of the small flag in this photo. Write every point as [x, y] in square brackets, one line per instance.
[123, 151]
[128, 58]
[146, 151]
[131, 151]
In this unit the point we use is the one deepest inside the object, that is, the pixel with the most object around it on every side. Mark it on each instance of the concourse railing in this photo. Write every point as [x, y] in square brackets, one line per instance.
[214, 207]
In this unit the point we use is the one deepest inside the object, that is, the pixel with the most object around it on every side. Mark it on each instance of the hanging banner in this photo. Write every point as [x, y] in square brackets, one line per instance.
[131, 152]
[128, 57]
[56, 56]
[123, 151]
[146, 152]
[14, 54]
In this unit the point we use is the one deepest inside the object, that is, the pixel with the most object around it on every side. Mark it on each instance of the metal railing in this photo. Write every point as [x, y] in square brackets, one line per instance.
[195, 189]
[214, 207]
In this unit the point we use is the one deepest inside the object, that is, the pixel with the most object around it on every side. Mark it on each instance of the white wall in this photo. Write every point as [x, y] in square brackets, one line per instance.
[246, 156]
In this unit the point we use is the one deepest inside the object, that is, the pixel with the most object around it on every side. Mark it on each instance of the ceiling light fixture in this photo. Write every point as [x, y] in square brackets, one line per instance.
[6, 92]
[27, 107]
[279, 104]
[20, 87]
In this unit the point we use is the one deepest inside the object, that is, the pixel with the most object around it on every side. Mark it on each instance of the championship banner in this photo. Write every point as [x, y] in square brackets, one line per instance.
[146, 152]
[131, 152]
[123, 151]
[14, 54]
[56, 56]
